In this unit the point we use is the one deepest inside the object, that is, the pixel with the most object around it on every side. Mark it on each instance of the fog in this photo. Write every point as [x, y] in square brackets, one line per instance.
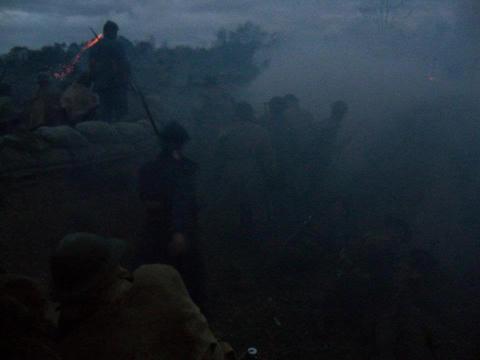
[322, 233]
[415, 71]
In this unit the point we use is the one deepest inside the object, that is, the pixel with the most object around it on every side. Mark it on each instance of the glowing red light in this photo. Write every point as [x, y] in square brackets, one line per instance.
[70, 67]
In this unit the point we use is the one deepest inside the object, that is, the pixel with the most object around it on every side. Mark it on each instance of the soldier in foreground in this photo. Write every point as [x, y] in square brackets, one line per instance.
[167, 186]
[108, 313]
[26, 332]
[110, 71]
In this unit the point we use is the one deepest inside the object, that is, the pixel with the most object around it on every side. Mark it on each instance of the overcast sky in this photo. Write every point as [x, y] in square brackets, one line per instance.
[35, 23]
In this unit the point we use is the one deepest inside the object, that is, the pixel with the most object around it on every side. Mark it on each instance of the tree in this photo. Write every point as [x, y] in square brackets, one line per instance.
[385, 12]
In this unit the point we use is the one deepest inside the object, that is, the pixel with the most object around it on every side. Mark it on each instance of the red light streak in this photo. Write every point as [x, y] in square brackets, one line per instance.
[70, 67]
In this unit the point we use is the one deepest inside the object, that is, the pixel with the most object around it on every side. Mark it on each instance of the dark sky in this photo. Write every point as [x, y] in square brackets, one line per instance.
[35, 23]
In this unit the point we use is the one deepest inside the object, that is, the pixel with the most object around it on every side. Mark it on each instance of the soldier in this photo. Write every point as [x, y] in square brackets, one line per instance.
[246, 167]
[301, 124]
[325, 147]
[26, 333]
[167, 186]
[286, 147]
[78, 101]
[110, 71]
[108, 313]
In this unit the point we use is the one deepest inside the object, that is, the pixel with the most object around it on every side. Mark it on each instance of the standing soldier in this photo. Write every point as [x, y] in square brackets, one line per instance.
[167, 187]
[110, 71]
[246, 168]
[325, 147]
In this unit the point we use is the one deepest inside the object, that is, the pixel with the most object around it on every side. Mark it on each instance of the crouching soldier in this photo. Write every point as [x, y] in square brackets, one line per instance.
[108, 313]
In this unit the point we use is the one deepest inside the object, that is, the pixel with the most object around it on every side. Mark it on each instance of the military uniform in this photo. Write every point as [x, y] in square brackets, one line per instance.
[108, 313]
[110, 71]
[246, 169]
[149, 316]
[167, 186]
[26, 333]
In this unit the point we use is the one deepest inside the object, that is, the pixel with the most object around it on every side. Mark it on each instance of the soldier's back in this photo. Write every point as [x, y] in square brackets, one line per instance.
[153, 319]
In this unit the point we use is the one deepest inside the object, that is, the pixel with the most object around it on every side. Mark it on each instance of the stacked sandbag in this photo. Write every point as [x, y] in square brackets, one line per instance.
[138, 134]
[12, 159]
[105, 139]
[88, 143]
[64, 141]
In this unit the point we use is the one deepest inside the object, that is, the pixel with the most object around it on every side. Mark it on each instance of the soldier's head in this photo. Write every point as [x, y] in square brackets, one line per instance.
[292, 101]
[338, 110]
[173, 137]
[110, 30]
[244, 112]
[277, 105]
[84, 264]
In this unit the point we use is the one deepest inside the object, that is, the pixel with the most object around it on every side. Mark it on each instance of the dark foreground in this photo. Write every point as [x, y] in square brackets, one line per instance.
[268, 295]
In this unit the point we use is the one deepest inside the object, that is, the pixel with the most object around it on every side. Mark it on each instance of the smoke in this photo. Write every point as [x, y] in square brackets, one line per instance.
[412, 87]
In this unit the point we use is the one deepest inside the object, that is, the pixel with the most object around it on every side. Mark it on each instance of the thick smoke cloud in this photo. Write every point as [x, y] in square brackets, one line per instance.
[35, 23]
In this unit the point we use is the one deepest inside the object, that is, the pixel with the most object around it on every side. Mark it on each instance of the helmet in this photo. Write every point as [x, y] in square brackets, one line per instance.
[110, 28]
[81, 261]
[174, 133]
[339, 108]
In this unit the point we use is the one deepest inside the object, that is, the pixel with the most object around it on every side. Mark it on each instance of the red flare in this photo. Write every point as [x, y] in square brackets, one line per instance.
[68, 68]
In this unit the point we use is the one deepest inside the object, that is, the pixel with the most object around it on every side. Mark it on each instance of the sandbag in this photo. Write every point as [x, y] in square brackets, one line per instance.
[98, 132]
[133, 132]
[12, 159]
[26, 141]
[62, 136]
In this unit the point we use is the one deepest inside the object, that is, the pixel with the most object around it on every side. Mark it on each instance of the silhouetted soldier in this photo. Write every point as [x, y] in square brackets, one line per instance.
[27, 333]
[246, 167]
[107, 312]
[110, 71]
[285, 145]
[325, 146]
[167, 186]
[301, 124]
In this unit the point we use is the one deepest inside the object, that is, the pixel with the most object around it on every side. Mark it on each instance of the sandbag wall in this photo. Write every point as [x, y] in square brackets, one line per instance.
[50, 149]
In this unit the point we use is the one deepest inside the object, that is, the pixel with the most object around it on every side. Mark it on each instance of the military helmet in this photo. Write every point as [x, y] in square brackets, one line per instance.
[291, 99]
[339, 108]
[81, 261]
[110, 28]
[277, 105]
[174, 133]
